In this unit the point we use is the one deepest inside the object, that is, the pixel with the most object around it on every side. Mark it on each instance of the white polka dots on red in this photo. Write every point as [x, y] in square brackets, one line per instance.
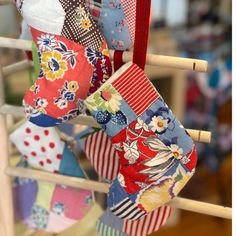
[41, 147]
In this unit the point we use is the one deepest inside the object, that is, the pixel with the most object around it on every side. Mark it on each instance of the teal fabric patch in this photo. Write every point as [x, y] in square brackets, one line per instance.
[69, 165]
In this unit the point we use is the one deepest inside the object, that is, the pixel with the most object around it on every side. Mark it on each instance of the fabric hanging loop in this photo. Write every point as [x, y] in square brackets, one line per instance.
[143, 8]
[118, 61]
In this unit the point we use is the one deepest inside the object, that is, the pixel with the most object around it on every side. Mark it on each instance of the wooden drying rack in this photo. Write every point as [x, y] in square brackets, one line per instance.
[6, 204]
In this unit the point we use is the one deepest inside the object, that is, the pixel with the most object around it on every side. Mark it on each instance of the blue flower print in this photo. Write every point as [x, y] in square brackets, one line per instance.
[69, 96]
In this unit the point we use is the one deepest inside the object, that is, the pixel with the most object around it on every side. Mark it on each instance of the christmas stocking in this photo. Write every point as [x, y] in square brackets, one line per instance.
[105, 159]
[51, 207]
[157, 156]
[116, 20]
[73, 56]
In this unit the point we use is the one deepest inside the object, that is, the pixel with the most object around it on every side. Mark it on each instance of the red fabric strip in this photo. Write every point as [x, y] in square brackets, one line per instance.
[141, 32]
[118, 60]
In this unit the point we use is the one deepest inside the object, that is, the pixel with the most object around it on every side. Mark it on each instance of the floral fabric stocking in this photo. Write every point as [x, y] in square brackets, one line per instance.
[73, 56]
[105, 159]
[157, 156]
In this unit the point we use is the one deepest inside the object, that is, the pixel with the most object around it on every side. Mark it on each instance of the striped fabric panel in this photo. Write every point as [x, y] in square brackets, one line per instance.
[102, 155]
[136, 89]
[105, 230]
[127, 210]
[130, 14]
[147, 224]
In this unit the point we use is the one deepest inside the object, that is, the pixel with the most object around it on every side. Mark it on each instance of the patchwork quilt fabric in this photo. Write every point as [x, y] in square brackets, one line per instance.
[157, 156]
[105, 159]
[109, 224]
[116, 20]
[73, 57]
[43, 205]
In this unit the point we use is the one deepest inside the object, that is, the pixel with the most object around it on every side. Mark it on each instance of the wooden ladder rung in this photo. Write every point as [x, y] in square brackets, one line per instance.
[196, 135]
[177, 202]
[155, 60]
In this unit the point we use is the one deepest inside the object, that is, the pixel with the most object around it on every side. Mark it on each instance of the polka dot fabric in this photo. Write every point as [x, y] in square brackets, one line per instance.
[52, 208]
[41, 147]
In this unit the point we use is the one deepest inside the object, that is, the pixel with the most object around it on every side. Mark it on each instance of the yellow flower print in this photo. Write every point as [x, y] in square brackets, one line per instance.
[42, 110]
[35, 88]
[73, 86]
[159, 124]
[105, 52]
[53, 65]
[32, 87]
[156, 196]
[86, 23]
[180, 184]
[176, 151]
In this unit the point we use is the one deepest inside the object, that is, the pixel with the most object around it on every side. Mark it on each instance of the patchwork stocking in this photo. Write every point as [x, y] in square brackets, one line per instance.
[157, 156]
[73, 56]
[116, 20]
[62, 206]
[104, 157]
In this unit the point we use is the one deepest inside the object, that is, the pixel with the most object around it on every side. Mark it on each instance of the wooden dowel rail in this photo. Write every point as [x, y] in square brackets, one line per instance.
[16, 67]
[16, 111]
[177, 202]
[3, 2]
[155, 60]
[196, 135]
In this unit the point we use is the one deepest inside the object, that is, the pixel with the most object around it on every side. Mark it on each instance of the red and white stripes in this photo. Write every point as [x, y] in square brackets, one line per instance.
[147, 224]
[103, 156]
[134, 86]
